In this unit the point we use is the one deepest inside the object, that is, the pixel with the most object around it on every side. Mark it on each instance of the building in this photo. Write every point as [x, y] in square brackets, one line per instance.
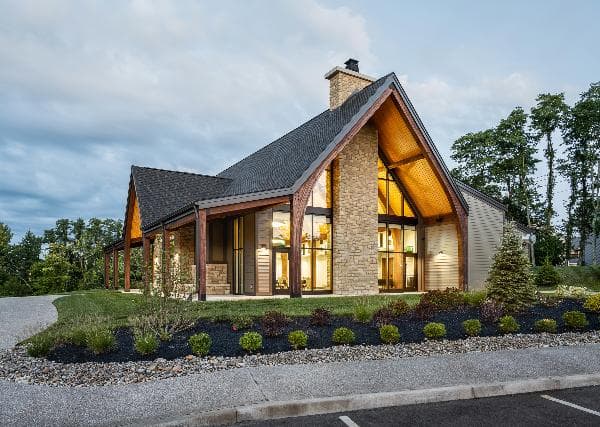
[357, 200]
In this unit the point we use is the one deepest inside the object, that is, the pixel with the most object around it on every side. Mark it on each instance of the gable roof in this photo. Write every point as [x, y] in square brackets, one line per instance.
[278, 169]
[162, 193]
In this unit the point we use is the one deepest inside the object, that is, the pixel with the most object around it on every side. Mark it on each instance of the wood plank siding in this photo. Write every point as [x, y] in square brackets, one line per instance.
[485, 233]
[264, 232]
[441, 256]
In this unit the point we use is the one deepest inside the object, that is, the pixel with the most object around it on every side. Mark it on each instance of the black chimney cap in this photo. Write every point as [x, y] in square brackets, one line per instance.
[352, 64]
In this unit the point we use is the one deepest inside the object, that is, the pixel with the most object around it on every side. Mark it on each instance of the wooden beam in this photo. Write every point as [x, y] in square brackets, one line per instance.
[406, 161]
[244, 206]
[127, 263]
[200, 253]
[188, 219]
[147, 263]
[115, 255]
[106, 270]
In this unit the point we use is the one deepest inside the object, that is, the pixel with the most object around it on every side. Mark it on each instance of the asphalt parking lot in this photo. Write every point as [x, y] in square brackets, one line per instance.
[579, 407]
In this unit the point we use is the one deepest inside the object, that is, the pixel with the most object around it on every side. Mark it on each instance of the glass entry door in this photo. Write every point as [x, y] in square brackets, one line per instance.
[281, 271]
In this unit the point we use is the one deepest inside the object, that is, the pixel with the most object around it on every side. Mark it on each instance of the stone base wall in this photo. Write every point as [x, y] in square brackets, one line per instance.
[355, 216]
[216, 280]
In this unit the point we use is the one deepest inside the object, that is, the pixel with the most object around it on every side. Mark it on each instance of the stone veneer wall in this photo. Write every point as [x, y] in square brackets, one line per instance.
[355, 216]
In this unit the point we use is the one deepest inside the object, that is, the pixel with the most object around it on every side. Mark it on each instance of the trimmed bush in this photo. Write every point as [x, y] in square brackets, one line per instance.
[424, 310]
[342, 336]
[200, 344]
[320, 317]
[399, 307]
[100, 340]
[298, 339]
[434, 330]
[546, 325]
[508, 325]
[491, 311]
[389, 334]
[547, 276]
[472, 327]
[592, 303]
[40, 345]
[240, 322]
[251, 341]
[510, 280]
[273, 322]
[383, 316]
[475, 298]
[362, 314]
[575, 319]
[145, 343]
[448, 299]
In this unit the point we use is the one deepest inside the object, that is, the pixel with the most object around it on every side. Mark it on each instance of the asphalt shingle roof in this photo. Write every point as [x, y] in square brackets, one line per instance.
[162, 193]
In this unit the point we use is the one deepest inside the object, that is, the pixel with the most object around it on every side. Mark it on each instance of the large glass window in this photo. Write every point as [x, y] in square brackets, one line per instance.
[391, 200]
[321, 193]
[315, 255]
[396, 261]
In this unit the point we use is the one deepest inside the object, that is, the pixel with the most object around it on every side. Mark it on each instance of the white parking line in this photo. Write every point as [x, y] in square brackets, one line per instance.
[346, 420]
[572, 405]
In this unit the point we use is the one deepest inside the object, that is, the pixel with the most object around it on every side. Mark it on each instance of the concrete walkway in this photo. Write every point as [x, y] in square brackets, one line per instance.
[151, 402]
[23, 317]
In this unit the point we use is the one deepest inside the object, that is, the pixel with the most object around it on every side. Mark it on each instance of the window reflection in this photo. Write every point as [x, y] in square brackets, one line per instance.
[321, 193]
[396, 259]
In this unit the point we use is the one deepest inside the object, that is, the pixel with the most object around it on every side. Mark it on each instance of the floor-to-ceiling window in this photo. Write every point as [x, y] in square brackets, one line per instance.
[397, 237]
[316, 244]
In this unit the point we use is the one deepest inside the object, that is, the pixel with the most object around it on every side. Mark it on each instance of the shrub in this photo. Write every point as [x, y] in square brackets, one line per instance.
[40, 345]
[145, 343]
[472, 327]
[475, 298]
[78, 336]
[399, 307]
[546, 300]
[251, 341]
[320, 317]
[298, 339]
[343, 335]
[362, 314]
[592, 303]
[546, 325]
[547, 276]
[510, 280]
[240, 322]
[100, 340]
[573, 292]
[200, 344]
[383, 316]
[165, 336]
[424, 310]
[491, 311]
[273, 323]
[389, 334]
[448, 299]
[575, 319]
[508, 325]
[434, 330]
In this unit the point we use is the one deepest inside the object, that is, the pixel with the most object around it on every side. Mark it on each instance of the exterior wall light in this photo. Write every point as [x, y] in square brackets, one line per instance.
[263, 250]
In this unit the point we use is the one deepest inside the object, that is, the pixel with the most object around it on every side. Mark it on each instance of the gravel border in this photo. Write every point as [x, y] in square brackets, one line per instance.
[16, 366]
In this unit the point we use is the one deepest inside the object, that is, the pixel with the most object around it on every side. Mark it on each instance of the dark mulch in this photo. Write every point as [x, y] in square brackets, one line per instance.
[226, 341]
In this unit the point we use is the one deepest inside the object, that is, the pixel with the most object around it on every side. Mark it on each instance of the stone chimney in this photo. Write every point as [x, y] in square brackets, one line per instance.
[343, 82]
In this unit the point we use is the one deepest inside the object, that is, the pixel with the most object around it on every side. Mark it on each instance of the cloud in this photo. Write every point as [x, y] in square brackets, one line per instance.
[87, 88]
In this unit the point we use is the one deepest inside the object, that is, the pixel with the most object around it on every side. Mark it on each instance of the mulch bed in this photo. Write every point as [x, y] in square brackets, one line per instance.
[226, 341]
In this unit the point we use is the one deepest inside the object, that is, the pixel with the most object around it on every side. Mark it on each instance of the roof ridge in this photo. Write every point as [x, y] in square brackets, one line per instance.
[181, 172]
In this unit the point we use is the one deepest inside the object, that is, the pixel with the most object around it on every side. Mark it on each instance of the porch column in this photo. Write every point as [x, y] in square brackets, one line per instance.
[296, 220]
[106, 270]
[146, 264]
[200, 253]
[166, 259]
[115, 255]
[127, 264]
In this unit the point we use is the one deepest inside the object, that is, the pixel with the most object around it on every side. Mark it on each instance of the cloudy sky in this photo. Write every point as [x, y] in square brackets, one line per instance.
[88, 88]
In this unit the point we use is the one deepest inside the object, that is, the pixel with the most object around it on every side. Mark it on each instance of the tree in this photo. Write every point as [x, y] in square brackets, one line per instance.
[510, 280]
[54, 273]
[22, 256]
[549, 246]
[475, 154]
[546, 117]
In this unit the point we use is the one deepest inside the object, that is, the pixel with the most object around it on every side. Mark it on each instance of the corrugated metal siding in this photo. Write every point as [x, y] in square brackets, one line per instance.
[486, 223]
[264, 231]
[441, 256]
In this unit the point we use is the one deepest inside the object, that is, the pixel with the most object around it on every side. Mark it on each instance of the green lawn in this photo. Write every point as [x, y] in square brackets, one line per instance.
[115, 309]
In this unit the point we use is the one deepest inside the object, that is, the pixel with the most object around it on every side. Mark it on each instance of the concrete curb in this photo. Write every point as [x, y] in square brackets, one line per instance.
[296, 408]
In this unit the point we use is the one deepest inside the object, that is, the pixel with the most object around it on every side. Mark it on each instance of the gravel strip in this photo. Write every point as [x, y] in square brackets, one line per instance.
[16, 366]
